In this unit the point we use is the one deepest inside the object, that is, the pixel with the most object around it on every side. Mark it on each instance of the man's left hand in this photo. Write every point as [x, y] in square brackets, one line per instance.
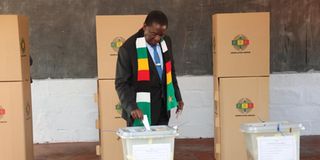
[180, 107]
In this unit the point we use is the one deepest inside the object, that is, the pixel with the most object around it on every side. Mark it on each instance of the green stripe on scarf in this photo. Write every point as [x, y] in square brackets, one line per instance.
[146, 110]
[143, 101]
[142, 53]
[171, 98]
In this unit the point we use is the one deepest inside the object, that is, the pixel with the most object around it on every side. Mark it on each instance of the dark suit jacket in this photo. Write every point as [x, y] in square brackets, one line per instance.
[126, 79]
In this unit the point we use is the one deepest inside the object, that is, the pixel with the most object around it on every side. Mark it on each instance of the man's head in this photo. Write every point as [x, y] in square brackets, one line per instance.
[155, 26]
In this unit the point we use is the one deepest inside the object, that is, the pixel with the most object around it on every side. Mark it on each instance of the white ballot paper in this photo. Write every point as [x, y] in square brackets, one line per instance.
[145, 122]
[277, 148]
[151, 151]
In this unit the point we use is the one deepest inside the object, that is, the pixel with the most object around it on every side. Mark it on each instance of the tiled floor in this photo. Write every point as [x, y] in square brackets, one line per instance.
[185, 149]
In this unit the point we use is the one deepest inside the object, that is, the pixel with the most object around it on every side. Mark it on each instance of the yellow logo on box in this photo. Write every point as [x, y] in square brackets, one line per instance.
[117, 43]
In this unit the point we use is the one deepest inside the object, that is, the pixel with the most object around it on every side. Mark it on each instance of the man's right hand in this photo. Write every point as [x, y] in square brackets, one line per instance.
[137, 114]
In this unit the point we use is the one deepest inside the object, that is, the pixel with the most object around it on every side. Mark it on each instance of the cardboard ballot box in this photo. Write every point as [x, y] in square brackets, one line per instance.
[14, 48]
[109, 106]
[241, 43]
[15, 91]
[109, 121]
[238, 101]
[112, 32]
[110, 146]
[15, 121]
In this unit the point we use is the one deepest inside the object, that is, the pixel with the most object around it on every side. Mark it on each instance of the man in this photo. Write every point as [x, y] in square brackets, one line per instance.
[145, 77]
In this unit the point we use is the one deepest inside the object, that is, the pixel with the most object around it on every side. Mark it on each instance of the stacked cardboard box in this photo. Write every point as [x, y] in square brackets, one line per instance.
[241, 78]
[112, 31]
[15, 92]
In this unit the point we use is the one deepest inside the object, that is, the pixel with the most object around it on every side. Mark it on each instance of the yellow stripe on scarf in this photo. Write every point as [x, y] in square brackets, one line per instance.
[143, 64]
[169, 78]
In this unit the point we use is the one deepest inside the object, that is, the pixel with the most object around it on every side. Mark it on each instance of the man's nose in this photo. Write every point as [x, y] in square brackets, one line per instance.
[157, 39]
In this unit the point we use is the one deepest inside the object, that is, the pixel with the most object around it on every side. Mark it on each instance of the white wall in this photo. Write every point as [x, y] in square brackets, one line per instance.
[64, 110]
[296, 98]
[197, 117]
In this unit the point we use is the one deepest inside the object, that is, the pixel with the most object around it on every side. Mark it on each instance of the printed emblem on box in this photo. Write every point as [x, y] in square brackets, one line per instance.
[240, 43]
[28, 111]
[2, 112]
[117, 43]
[118, 108]
[245, 105]
[23, 46]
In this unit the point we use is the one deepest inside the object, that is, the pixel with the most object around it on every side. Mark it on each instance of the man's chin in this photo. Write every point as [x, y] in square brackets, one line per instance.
[155, 43]
[152, 43]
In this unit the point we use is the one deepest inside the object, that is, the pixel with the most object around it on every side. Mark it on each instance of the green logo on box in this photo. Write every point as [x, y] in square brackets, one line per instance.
[117, 43]
[245, 105]
[118, 108]
[240, 42]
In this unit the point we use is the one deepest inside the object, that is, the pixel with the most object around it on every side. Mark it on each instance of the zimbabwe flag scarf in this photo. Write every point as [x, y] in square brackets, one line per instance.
[144, 73]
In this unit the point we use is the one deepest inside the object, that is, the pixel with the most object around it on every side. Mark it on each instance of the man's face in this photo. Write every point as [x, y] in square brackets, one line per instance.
[154, 33]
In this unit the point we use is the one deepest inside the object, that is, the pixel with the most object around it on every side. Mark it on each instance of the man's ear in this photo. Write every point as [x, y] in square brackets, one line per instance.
[144, 27]
[164, 27]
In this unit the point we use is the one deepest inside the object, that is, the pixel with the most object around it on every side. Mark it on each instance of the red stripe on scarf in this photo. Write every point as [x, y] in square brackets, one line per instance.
[168, 67]
[143, 75]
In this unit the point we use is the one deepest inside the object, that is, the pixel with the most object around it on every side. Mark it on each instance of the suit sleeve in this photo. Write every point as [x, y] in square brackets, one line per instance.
[174, 78]
[123, 82]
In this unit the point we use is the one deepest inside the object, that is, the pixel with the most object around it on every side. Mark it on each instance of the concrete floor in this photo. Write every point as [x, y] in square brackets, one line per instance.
[185, 149]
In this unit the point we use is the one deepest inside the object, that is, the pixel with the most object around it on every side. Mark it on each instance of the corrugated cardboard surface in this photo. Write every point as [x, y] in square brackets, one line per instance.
[109, 28]
[28, 121]
[111, 146]
[108, 101]
[230, 91]
[217, 130]
[16, 122]
[230, 61]
[109, 120]
[14, 48]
